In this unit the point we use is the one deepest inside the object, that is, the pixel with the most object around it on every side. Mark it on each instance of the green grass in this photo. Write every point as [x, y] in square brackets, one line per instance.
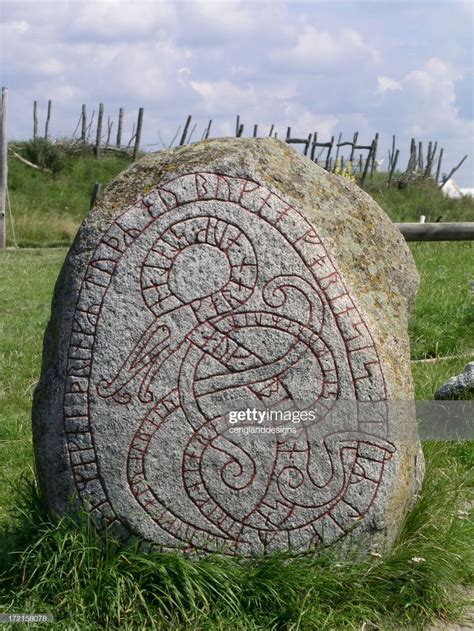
[422, 198]
[26, 279]
[87, 584]
[442, 322]
[48, 208]
[91, 584]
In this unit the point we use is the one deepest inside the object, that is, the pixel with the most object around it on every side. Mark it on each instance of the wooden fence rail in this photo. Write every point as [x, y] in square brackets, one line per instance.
[459, 231]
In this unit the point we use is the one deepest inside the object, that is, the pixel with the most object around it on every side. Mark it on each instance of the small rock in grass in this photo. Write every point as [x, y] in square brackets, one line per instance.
[458, 385]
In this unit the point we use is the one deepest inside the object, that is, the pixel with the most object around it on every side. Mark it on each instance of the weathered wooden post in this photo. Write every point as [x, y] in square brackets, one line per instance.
[185, 131]
[110, 124]
[139, 133]
[374, 154]
[453, 171]
[35, 120]
[3, 166]
[438, 169]
[391, 154]
[119, 128]
[420, 155]
[354, 143]
[457, 231]
[99, 130]
[96, 191]
[328, 158]
[393, 165]
[84, 123]
[337, 150]
[367, 162]
[46, 127]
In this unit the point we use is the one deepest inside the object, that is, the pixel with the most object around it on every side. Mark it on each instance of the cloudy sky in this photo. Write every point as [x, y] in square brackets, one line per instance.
[403, 68]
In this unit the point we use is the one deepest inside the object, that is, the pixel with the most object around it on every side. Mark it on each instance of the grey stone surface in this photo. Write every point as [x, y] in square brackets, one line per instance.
[225, 275]
[458, 385]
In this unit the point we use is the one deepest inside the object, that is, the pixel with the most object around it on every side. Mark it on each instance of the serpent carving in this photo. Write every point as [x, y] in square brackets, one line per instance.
[242, 303]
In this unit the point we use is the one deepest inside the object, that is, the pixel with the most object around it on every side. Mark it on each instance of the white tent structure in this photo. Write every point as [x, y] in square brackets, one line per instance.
[451, 189]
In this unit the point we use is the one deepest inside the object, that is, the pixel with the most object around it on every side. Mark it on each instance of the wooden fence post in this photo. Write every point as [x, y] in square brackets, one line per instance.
[35, 120]
[354, 142]
[96, 191]
[139, 133]
[337, 150]
[374, 154]
[438, 169]
[3, 166]
[391, 154]
[313, 146]
[420, 155]
[185, 131]
[84, 123]
[119, 128]
[110, 124]
[367, 162]
[99, 130]
[46, 127]
[453, 171]
[328, 157]
[393, 164]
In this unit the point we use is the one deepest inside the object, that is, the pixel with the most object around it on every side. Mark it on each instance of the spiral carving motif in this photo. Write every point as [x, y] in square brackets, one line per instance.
[210, 291]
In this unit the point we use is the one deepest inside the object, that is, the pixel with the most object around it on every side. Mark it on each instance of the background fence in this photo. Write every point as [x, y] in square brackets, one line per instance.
[347, 157]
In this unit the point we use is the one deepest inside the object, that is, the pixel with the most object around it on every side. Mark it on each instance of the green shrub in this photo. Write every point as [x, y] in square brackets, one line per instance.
[44, 154]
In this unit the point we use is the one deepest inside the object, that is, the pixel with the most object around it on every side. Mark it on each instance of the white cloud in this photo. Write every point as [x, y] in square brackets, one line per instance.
[431, 88]
[316, 48]
[63, 93]
[225, 96]
[303, 121]
[118, 20]
[311, 66]
[229, 23]
[50, 67]
[230, 17]
[386, 84]
[15, 27]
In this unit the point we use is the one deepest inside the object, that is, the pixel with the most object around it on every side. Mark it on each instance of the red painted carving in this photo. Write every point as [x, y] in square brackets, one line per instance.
[216, 313]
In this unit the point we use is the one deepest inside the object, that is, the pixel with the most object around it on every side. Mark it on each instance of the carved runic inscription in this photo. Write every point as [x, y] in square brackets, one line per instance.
[211, 290]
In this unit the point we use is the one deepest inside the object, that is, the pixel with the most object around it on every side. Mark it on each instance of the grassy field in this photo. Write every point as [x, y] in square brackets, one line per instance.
[48, 208]
[87, 584]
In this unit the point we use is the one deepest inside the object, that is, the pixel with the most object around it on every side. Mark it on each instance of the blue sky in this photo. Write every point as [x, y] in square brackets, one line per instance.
[403, 68]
